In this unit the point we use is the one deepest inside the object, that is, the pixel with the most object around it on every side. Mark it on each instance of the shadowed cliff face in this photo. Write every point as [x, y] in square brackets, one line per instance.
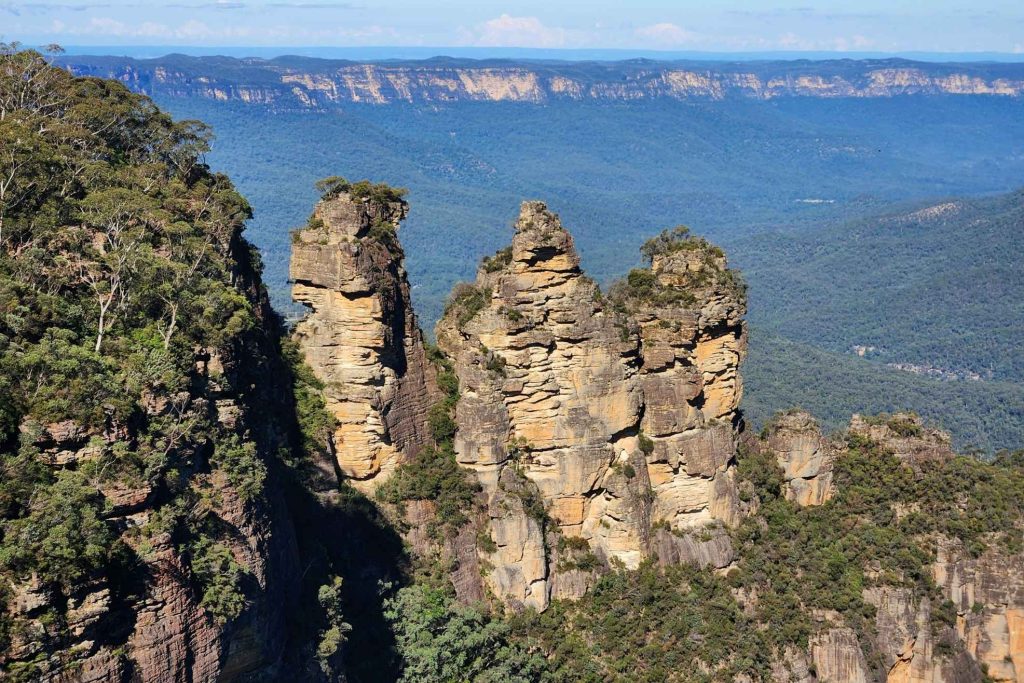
[361, 338]
[312, 83]
[614, 420]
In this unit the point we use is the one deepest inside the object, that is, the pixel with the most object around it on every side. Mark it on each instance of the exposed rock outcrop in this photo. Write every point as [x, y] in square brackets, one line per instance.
[837, 657]
[805, 457]
[611, 421]
[906, 435]
[988, 595]
[362, 338]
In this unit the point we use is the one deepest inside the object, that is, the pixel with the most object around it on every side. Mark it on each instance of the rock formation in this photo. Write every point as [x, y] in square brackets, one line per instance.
[604, 421]
[152, 624]
[906, 435]
[804, 455]
[361, 338]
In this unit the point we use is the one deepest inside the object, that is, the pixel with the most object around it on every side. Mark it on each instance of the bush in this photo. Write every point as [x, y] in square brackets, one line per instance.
[63, 537]
[433, 475]
[241, 463]
[220, 579]
[501, 259]
[333, 186]
[337, 629]
[466, 301]
[441, 641]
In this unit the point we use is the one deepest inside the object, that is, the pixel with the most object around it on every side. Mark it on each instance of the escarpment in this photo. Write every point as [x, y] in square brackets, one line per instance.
[361, 338]
[596, 419]
[299, 83]
[144, 529]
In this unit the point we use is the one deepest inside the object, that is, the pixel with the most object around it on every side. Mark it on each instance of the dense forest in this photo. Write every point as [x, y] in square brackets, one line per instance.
[985, 416]
[937, 286]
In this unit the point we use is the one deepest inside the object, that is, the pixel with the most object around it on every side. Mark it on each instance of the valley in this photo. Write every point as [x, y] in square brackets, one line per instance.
[797, 187]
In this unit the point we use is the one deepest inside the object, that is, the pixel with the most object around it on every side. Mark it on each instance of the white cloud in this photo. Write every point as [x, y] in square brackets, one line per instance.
[666, 34]
[509, 31]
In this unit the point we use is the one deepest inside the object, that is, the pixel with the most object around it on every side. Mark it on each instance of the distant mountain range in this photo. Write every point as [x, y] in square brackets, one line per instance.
[290, 83]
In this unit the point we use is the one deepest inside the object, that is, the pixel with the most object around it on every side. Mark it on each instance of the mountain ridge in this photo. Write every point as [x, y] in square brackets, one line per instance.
[293, 82]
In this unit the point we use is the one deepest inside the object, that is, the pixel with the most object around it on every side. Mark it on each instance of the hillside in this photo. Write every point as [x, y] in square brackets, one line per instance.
[782, 373]
[732, 169]
[937, 287]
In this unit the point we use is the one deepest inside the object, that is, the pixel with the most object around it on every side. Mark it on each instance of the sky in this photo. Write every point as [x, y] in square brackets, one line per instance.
[675, 25]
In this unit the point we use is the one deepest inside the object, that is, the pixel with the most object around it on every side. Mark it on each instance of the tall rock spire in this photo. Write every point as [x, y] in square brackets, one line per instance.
[361, 337]
[617, 414]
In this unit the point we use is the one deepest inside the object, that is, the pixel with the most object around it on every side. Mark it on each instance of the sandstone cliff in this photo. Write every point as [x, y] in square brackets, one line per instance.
[361, 337]
[804, 455]
[606, 422]
[146, 618]
[299, 83]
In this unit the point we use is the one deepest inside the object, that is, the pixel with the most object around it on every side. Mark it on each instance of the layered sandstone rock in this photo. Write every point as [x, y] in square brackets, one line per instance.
[606, 422]
[361, 337]
[330, 84]
[837, 657]
[804, 455]
[988, 594]
[906, 435]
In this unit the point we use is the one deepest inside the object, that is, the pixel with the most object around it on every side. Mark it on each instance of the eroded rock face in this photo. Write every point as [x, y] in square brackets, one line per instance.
[805, 457]
[906, 435]
[361, 338]
[988, 593]
[151, 624]
[616, 421]
[837, 657]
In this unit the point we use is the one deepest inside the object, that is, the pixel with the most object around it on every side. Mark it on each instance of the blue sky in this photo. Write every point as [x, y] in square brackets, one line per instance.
[864, 26]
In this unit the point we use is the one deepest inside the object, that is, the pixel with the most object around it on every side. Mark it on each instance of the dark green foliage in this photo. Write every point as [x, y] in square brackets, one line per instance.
[385, 233]
[316, 424]
[442, 425]
[123, 274]
[433, 475]
[501, 259]
[62, 536]
[441, 641]
[466, 301]
[646, 444]
[332, 186]
[651, 625]
[832, 386]
[243, 466]
[220, 579]
[336, 633]
[642, 286]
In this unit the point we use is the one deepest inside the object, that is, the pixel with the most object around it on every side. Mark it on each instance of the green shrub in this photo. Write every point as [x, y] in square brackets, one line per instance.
[241, 463]
[501, 259]
[466, 301]
[441, 641]
[433, 475]
[63, 537]
[219, 577]
[382, 193]
[334, 635]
